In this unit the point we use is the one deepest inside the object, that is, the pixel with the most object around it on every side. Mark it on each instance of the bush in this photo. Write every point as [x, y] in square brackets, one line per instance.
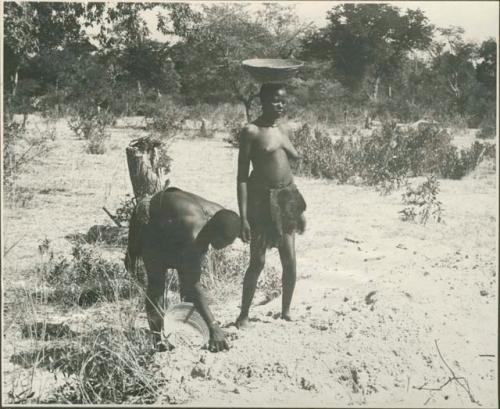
[125, 209]
[385, 158]
[460, 163]
[222, 270]
[88, 278]
[487, 132]
[270, 284]
[165, 119]
[421, 202]
[91, 124]
[233, 123]
[488, 127]
[20, 151]
[96, 145]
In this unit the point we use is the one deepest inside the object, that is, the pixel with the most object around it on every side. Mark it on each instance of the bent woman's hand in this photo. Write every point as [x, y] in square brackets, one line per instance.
[217, 341]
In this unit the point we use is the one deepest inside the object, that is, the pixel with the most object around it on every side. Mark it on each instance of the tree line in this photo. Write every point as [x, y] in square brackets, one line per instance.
[369, 57]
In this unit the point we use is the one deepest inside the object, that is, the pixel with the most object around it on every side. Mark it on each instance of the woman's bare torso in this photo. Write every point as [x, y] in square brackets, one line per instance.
[269, 158]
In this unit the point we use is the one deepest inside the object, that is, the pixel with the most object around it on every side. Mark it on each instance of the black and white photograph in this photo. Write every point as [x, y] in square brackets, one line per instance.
[250, 204]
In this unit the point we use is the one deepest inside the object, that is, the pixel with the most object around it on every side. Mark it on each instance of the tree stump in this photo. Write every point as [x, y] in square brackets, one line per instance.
[146, 174]
[147, 177]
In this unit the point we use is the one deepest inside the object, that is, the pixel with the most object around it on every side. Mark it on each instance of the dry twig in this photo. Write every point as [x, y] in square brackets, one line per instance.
[460, 380]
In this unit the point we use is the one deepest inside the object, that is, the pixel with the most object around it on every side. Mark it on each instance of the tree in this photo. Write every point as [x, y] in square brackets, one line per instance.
[367, 43]
[215, 41]
[486, 70]
[34, 27]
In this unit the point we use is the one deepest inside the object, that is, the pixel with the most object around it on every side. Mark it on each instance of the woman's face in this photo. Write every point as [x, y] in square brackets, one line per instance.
[274, 105]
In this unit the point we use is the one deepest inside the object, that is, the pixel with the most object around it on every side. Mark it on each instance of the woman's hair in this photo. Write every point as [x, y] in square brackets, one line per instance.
[268, 89]
[225, 223]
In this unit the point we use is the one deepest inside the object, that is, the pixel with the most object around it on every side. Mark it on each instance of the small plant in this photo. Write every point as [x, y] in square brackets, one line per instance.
[234, 123]
[125, 209]
[91, 124]
[20, 150]
[96, 144]
[88, 278]
[165, 119]
[487, 131]
[204, 132]
[421, 203]
[270, 284]
[88, 122]
[222, 271]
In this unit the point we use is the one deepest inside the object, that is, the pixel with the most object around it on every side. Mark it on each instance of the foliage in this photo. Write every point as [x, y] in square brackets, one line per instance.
[233, 124]
[210, 53]
[87, 278]
[20, 150]
[164, 119]
[421, 203]
[124, 211]
[91, 124]
[488, 128]
[223, 270]
[270, 284]
[387, 157]
[370, 59]
[364, 40]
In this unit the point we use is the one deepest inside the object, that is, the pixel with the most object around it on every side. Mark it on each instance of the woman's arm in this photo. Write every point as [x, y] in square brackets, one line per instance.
[287, 144]
[242, 179]
[190, 279]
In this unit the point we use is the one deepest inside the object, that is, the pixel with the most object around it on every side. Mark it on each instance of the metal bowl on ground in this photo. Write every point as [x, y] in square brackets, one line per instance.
[267, 70]
[183, 325]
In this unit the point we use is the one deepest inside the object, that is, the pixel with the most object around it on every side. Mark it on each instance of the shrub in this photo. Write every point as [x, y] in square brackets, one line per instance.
[460, 163]
[487, 132]
[19, 151]
[89, 122]
[488, 127]
[421, 203]
[96, 145]
[204, 132]
[165, 119]
[234, 122]
[385, 158]
[270, 284]
[222, 271]
[88, 278]
[125, 209]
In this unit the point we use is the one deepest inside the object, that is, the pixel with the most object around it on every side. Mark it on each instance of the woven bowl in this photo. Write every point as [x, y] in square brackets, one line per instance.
[182, 323]
[266, 70]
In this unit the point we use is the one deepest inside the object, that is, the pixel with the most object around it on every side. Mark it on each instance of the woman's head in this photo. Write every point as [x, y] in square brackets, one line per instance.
[224, 227]
[273, 99]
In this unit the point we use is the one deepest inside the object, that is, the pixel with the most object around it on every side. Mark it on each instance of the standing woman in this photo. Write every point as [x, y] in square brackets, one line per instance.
[271, 207]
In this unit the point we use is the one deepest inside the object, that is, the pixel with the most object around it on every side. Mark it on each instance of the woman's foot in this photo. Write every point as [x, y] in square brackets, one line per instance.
[242, 322]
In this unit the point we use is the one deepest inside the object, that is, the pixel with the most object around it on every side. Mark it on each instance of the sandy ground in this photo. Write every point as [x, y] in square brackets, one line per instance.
[374, 298]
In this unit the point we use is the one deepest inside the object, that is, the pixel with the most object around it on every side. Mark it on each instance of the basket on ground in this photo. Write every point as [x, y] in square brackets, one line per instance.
[267, 70]
[183, 324]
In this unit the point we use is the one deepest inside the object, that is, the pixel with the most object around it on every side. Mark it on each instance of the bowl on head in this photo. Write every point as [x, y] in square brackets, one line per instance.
[266, 70]
[183, 325]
